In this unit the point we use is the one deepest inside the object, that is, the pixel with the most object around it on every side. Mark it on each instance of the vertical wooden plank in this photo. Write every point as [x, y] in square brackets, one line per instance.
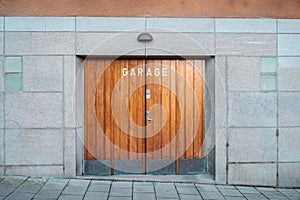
[86, 108]
[165, 101]
[116, 129]
[149, 103]
[133, 109]
[157, 116]
[99, 106]
[180, 120]
[91, 110]
[124, 139]
[173, 102]
[199, 91]
[189, 111]
[202, 153]
[140, 113]
[112, 134]
[107, 108]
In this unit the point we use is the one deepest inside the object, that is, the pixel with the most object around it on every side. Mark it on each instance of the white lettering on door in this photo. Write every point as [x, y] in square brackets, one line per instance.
[149, 72]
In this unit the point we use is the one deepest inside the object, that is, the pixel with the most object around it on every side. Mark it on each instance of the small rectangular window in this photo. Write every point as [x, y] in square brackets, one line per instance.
[268, 74]
[13, 73]
[268, 83]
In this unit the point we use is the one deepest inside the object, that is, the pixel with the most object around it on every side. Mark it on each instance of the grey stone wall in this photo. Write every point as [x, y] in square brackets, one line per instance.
[41, 127]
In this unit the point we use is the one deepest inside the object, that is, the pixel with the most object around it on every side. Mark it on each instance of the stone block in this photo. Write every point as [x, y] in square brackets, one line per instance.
[1, 23]
[263, 174]
[288, 145]
[34, 147]
[179, 44]
[255, 196]
[1, 74]
[137, 196]
[289, 73]
[70, 197]
[99, 188]
[288, 176]
[70, 153]
[111, 44]
[185, 25]
[124, 185]
[79, 150]
[109, 24]
[55, 185]
[143, 189]
[163, 194]
[289, 109]
[189, 197]
[289, 44]
[207, 188]
[62, 24]
[230, 193]
[42, 73]
[246, 25]
[210, 140]
[243, 73]
[288, 192]
[79, 100]
[186, 189]
[120, 192]
[1, 171]
[210, 92]
[117, 198]
[252, 109]
[247, 190]
[252, 145]
[20, 195]
[211, 195]
[29, 188]
[95, 195]
[70, 76]
[220, 92]
[12, 181]
[165, 187]
[1, 43]
[1, 110]
[35, 171]
[246, 44]
[46, 193]
[1, 147]
[37, 43]
[221, 158]
[80, 182]
[288, 26]
[77, 190]
[33, 110]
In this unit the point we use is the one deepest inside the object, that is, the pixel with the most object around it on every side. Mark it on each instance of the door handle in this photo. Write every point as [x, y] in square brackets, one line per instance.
[147, 94]
[148, 119]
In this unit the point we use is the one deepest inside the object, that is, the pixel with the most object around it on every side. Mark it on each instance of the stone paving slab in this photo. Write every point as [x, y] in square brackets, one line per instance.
[143, 196]
[96, 195]
[99, 188]
[23, 188]
[48, 193]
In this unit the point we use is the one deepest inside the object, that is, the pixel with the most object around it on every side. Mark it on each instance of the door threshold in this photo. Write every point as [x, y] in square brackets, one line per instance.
[201, 178]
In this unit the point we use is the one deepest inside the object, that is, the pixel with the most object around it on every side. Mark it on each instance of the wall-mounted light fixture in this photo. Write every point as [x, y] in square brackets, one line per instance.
[145, 37]
[268, 74]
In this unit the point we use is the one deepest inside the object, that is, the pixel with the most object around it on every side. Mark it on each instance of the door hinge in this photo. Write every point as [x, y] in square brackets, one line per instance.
[277, 132]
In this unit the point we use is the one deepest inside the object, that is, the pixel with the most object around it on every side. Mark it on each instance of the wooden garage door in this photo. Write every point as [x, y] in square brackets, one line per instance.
[144, 116]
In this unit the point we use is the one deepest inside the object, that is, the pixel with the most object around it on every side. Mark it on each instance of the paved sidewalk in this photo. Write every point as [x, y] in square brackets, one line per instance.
[23, 188]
